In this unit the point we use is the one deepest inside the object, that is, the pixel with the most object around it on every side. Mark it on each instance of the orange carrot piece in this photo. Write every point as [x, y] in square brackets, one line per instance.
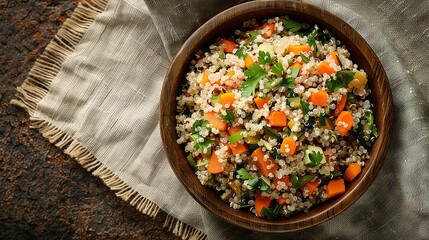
[216, 121]
[281, 200]
[310, 186]
[248, 61]
[352, 171]
[236, 129]
[260, 102]
[344, 122]
[269, 29]
[335, 187]
[260, 203]
[324, 67]
[205, 78]
[297, 49]
[284, 179]
[229, 45]
[288, 146]
[238, 148]
[297, 65]
[340, 105]
[230, 74]
[319, 98]
[262, 164]
[214, 165]
[277, 119]
[227, 98]
[333, 55]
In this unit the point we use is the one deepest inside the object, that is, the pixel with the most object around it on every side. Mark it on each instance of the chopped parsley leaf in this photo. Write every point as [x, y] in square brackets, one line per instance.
[305, 107]
[228, 117]
[315, 158]
[292, 25]
[343, 79]
[277, 68]
[251, 36]
[304, 58]
[240, 53]
[298, 182]
[254, 73]
[264, 57]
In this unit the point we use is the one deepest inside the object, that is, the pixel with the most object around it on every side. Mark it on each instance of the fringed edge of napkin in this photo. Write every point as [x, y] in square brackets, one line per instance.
[37, 85]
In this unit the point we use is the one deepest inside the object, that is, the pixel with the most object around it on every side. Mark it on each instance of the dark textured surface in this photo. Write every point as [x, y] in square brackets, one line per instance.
[45, 194]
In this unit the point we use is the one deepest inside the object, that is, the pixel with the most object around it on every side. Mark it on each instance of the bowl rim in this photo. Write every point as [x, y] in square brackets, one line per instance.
[325, 211]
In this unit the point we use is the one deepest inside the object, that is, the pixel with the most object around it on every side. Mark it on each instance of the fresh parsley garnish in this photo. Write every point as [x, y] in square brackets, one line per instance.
[315, 158]
[312, 42]
[370, 121]
[277, 68]
[292, 25]
[298, 182]
[351, 96]
[272, 132]
[264, 57]
[322, 120]
[259, 184]
[294, 71]
[228, 117]
[326, 178]
[272, 83]
[305, 107]
[251, 36]
[199, 125]
[254, 73]
[304, 58]
[200, 145]
[288, 82]
[271, 213]
[244, 174]
[253, 183]
[263, 186]
[343, 79]
[240, 53]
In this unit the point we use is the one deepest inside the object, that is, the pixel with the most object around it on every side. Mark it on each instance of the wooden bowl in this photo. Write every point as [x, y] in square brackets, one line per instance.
[224, 24]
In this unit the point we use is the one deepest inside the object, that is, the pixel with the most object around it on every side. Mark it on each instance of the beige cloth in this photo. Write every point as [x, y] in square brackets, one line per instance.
[95, 93]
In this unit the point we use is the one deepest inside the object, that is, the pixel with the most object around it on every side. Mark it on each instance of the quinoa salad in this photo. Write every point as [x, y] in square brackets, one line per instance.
[276, 117]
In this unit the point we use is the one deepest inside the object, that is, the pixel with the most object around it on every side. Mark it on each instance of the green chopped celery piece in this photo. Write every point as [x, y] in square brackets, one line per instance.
[236, 136]
[294, 71]
[296, 102]
[202, 163]
[244, 174]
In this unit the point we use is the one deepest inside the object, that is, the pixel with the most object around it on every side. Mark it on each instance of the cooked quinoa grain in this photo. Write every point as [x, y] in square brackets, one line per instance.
[276, 118]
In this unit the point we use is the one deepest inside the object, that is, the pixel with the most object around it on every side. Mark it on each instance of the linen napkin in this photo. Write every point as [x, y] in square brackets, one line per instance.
[95, 94]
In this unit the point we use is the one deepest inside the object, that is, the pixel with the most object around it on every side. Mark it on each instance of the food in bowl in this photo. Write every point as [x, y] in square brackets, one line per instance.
[276, 118]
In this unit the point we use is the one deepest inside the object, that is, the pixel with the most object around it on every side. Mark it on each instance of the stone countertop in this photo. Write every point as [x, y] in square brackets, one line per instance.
[45, 194]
